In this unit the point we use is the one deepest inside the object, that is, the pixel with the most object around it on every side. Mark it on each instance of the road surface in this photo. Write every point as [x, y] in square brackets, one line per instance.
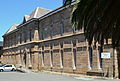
[17, 76]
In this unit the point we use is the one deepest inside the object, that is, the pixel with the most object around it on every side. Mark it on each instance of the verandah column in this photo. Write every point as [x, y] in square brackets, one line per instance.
[115, 62]
[36, 58]
[29, 59]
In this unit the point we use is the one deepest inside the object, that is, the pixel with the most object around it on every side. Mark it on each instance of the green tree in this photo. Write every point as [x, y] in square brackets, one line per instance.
[100, 20]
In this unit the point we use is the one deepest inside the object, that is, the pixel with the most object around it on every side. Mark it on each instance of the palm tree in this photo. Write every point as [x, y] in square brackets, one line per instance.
[100, 20]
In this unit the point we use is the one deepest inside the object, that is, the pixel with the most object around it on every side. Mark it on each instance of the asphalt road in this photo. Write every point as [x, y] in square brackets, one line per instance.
[16, 76]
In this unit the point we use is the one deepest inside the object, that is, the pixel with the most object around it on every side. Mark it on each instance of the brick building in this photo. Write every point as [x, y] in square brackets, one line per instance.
[1, 49]
[46, 41]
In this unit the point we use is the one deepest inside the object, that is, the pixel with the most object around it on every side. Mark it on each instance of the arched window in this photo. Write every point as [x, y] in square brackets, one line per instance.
[20, 38]
[99, 52]
[90, 55]
[74, 54]
[30, 35]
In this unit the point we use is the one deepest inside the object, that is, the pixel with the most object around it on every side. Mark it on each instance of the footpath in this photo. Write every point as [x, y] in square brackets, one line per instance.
[76, 76]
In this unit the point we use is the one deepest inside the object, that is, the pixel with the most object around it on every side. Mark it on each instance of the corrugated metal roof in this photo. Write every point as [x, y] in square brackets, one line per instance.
[38, 12]
[12, 28]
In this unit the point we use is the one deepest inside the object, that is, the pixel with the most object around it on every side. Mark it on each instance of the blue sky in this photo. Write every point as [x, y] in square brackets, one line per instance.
[13, 11]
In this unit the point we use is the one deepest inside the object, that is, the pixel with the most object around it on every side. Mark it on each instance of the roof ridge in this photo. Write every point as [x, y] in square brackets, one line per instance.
[44, 8]
[36, 11]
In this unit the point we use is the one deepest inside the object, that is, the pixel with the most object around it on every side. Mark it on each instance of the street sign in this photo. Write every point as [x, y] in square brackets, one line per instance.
[105, 55]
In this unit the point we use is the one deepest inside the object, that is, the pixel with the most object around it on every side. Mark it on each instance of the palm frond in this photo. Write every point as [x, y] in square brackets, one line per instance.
[100, 20]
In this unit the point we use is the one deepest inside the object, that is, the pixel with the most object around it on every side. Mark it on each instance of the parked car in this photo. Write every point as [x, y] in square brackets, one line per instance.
[1, 67]
[7, 67]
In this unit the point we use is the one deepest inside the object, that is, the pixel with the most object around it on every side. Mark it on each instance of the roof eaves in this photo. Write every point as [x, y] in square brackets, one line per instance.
[12, 28]
[10, 33]
[33, 19]
[20, 26]
[56, 10]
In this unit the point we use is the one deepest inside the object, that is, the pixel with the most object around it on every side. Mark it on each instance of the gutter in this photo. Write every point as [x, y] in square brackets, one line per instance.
[33, 19]
[46, 15]
[56, 10]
